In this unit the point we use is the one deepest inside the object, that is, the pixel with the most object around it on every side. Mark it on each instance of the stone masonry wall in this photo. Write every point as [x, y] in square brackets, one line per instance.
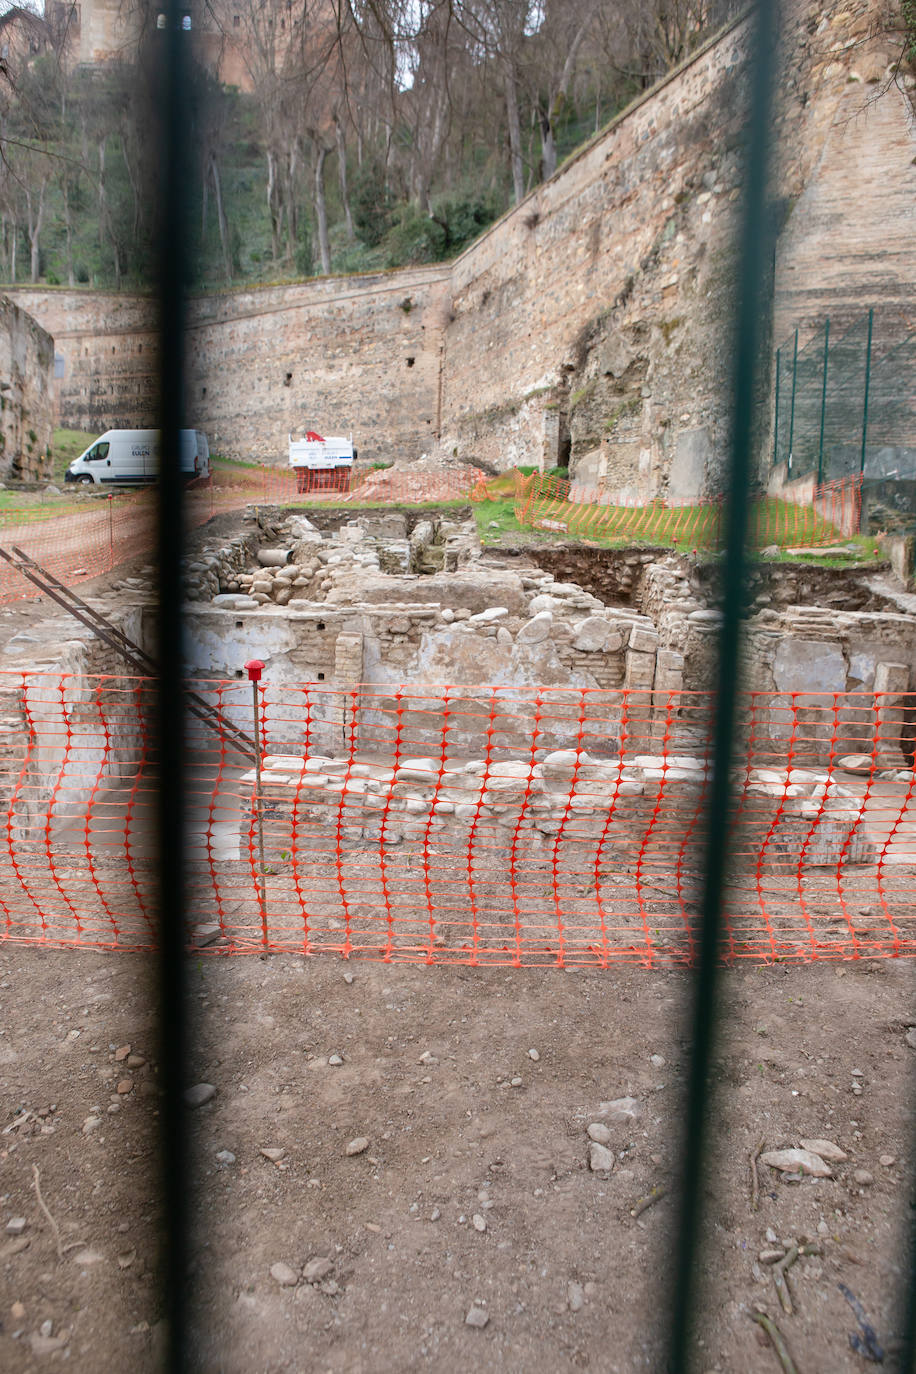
[26, 402]
[604, 297]
[106, 347]
[342, 355]
[849, 185]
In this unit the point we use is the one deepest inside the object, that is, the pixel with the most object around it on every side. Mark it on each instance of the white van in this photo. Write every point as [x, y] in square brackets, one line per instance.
[130, 457]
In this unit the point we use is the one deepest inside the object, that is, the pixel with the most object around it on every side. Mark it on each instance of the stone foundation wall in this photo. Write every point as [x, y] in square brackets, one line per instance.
[553, 799]
[69, 721]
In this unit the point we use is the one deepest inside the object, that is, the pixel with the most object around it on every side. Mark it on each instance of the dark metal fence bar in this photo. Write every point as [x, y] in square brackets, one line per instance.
[820, 445]
[755, 252]
[871, 323]
[172, 265]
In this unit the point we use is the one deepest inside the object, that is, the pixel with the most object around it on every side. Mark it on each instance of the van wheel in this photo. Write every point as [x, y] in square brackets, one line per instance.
[85, 481]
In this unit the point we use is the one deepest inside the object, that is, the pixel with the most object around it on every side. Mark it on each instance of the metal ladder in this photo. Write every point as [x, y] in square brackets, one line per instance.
[142, 663]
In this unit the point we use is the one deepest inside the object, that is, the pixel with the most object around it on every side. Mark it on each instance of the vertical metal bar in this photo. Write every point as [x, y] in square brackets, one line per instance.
[776, 409]
[756, 253]
[871, 321]
[172, 95]
[792, 406]
[820, 445]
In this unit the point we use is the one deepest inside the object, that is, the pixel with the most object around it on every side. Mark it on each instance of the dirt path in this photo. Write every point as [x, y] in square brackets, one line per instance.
[474, 1188]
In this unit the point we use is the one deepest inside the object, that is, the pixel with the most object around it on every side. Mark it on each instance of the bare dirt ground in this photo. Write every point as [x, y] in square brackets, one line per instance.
[474, 1187]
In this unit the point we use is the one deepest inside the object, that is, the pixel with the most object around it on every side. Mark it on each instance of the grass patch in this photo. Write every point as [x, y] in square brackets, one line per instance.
[67, 444]
[222, 464]
[31, 505]
[496, 518]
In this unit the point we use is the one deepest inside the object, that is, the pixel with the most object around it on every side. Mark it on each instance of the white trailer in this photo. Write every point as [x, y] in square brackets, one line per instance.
[321, 464]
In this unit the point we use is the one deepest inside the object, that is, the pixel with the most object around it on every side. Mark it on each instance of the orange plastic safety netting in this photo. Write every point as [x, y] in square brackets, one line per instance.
[97, 534]
[807, 516]
[468, 825]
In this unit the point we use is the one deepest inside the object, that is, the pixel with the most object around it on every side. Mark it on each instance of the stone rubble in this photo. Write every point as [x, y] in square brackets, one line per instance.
[564, 792]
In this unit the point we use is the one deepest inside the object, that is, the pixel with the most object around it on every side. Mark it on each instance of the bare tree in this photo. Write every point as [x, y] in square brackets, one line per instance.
[555, 50]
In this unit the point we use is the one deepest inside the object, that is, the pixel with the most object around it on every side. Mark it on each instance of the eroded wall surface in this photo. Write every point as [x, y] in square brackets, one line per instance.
[26, 402]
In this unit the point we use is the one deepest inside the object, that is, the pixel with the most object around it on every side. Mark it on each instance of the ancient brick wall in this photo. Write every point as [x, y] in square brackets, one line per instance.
[26, 401]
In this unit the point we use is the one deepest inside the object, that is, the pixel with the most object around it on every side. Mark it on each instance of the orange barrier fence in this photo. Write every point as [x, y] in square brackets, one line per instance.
[473, 825]
[95, 536]
[808, 517]
[838, 503]
[100, 532]
[367, 486]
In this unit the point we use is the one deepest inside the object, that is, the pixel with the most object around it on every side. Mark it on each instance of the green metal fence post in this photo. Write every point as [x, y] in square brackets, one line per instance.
[871, 320]
[792, 404]
[776, 410]
[820, 446]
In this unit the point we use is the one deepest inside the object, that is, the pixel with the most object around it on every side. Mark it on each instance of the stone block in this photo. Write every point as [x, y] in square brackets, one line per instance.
[808, 665]
[692, 454]
[595, 635]
[643, 639]
[536, 629]
[543, 602]
[640, 671]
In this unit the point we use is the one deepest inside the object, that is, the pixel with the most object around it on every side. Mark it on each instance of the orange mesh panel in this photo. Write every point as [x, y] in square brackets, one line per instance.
[475, 825]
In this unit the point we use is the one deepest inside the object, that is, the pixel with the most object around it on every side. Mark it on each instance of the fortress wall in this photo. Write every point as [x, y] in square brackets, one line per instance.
[341, 354]
[106, 348]
[624, 253]
[850, 237]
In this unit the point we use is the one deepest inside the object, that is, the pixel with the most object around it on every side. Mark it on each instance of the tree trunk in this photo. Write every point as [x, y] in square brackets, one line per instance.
[14, 236]
[101, 189]
[36, 214]
[321, 213]
[221, 217]
[515, 130]
[342, 178]
[134, 190]
[272, 204]
[548, 147]
[105, 225]
[68, 226]
[547, 118]
[292, 217]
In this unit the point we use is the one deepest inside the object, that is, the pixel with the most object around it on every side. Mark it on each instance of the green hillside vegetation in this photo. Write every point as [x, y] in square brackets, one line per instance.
[375, 151]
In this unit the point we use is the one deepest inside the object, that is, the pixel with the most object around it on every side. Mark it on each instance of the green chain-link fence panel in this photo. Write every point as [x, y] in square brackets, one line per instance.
[889, 489]
[846, 404]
